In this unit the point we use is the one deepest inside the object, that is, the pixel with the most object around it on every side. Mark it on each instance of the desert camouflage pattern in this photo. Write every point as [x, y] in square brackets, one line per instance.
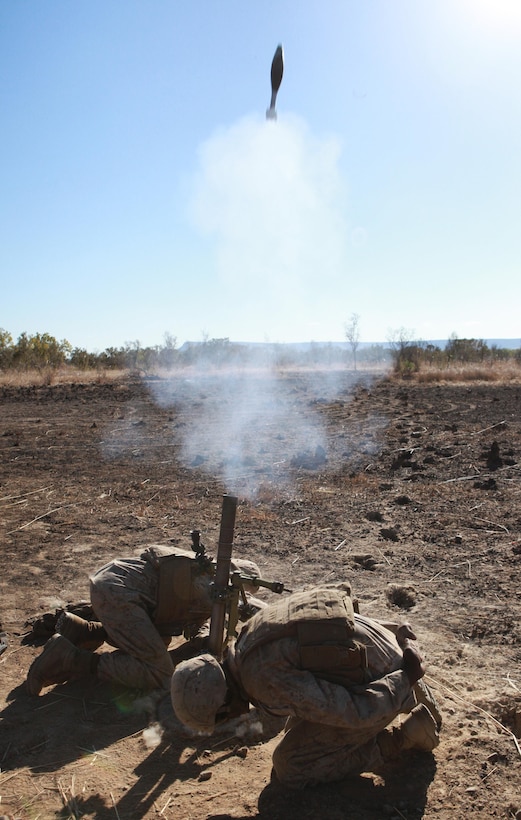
[331, 730]
[124, 596]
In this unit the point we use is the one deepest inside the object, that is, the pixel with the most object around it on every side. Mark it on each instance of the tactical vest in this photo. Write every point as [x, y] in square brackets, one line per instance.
[322, 620]
[179, 608]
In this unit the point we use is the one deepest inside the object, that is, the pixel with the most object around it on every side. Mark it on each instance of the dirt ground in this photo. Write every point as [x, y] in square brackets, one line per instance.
[410, 491]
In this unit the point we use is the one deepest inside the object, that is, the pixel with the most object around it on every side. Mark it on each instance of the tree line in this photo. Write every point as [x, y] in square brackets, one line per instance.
[43, 351]
[410, 356]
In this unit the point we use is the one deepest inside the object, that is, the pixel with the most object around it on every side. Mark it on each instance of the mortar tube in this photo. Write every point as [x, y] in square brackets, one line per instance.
[222, 575]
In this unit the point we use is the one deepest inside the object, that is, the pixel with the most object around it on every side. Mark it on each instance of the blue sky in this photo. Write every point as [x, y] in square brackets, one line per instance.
[143, 192]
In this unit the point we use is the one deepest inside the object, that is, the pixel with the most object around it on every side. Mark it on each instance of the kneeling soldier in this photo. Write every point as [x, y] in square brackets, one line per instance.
[340, 677]
[140, 603]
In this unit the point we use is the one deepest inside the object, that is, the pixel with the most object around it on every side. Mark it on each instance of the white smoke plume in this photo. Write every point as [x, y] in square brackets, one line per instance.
[269, 197]
[258, 431]
[153, 735]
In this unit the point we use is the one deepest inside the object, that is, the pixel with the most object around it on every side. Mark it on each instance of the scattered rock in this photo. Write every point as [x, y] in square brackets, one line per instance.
[389, 533]
[206, 775]
[402, 460]
[401, 596]
[401, 500]
[366, 561]
[374, 515]
[489, 484]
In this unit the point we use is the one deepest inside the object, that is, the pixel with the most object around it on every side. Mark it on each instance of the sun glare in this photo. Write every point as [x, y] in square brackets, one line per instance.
[499, 17]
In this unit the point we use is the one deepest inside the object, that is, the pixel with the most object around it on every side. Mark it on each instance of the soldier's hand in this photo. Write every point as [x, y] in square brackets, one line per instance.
[413, 664]
[403, 633]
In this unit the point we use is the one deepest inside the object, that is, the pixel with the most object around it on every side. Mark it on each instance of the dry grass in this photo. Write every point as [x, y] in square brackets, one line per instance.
[64, 375]
[504, 372]
[501, 372]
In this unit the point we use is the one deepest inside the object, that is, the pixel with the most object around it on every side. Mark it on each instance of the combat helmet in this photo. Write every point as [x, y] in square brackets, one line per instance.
[198, 690]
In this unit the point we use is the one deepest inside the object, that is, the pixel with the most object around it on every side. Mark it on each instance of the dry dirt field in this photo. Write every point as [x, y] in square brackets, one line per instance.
[410, 491]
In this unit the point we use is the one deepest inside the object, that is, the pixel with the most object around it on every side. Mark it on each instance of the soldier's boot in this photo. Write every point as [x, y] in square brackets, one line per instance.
[85, 634]
[418, 731]
[425, 695]
[59, 662]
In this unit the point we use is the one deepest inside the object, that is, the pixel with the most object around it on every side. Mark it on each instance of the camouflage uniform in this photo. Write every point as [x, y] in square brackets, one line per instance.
[331, 729]
[124, 596]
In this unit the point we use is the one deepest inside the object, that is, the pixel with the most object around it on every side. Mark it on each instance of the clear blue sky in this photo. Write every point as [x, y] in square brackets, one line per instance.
[142, 190]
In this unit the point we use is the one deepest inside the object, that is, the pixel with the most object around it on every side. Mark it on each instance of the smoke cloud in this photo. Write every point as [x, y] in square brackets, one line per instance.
[259, 430]
[268, 197]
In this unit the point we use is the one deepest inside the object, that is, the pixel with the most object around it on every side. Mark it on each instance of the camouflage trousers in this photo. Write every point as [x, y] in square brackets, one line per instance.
[123, 596]
[312, 753]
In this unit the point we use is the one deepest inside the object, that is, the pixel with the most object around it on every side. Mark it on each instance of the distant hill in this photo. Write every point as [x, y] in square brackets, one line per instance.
[509, 344]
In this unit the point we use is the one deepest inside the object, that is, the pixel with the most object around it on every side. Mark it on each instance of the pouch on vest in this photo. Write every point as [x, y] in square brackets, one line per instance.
[343, 663]
[177, 610]
[322, 619]
[326, 644]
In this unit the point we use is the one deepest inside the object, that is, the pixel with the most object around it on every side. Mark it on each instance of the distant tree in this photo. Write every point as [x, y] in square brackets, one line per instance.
[500, 354]
[113, 358]
[406, 353]
[466, 350]
[40, 350]
[6, 349]
[168, 353]
[352, 333]
[82, 359]
[432, 354]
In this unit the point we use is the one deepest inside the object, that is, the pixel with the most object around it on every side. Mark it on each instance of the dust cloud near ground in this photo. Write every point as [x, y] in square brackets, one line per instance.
[412, 492]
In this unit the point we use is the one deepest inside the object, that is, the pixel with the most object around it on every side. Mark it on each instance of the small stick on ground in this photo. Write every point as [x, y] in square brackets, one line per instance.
[512, 683]
[494, 524]
[166, 806]
[492, 427]
[39, 517]
[213, 796]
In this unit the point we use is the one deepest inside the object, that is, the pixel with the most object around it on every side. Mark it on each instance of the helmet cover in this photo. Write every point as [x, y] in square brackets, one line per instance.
[198, 689]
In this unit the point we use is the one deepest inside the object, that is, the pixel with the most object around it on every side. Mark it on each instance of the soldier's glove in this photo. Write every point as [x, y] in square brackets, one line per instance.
[413, 664]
